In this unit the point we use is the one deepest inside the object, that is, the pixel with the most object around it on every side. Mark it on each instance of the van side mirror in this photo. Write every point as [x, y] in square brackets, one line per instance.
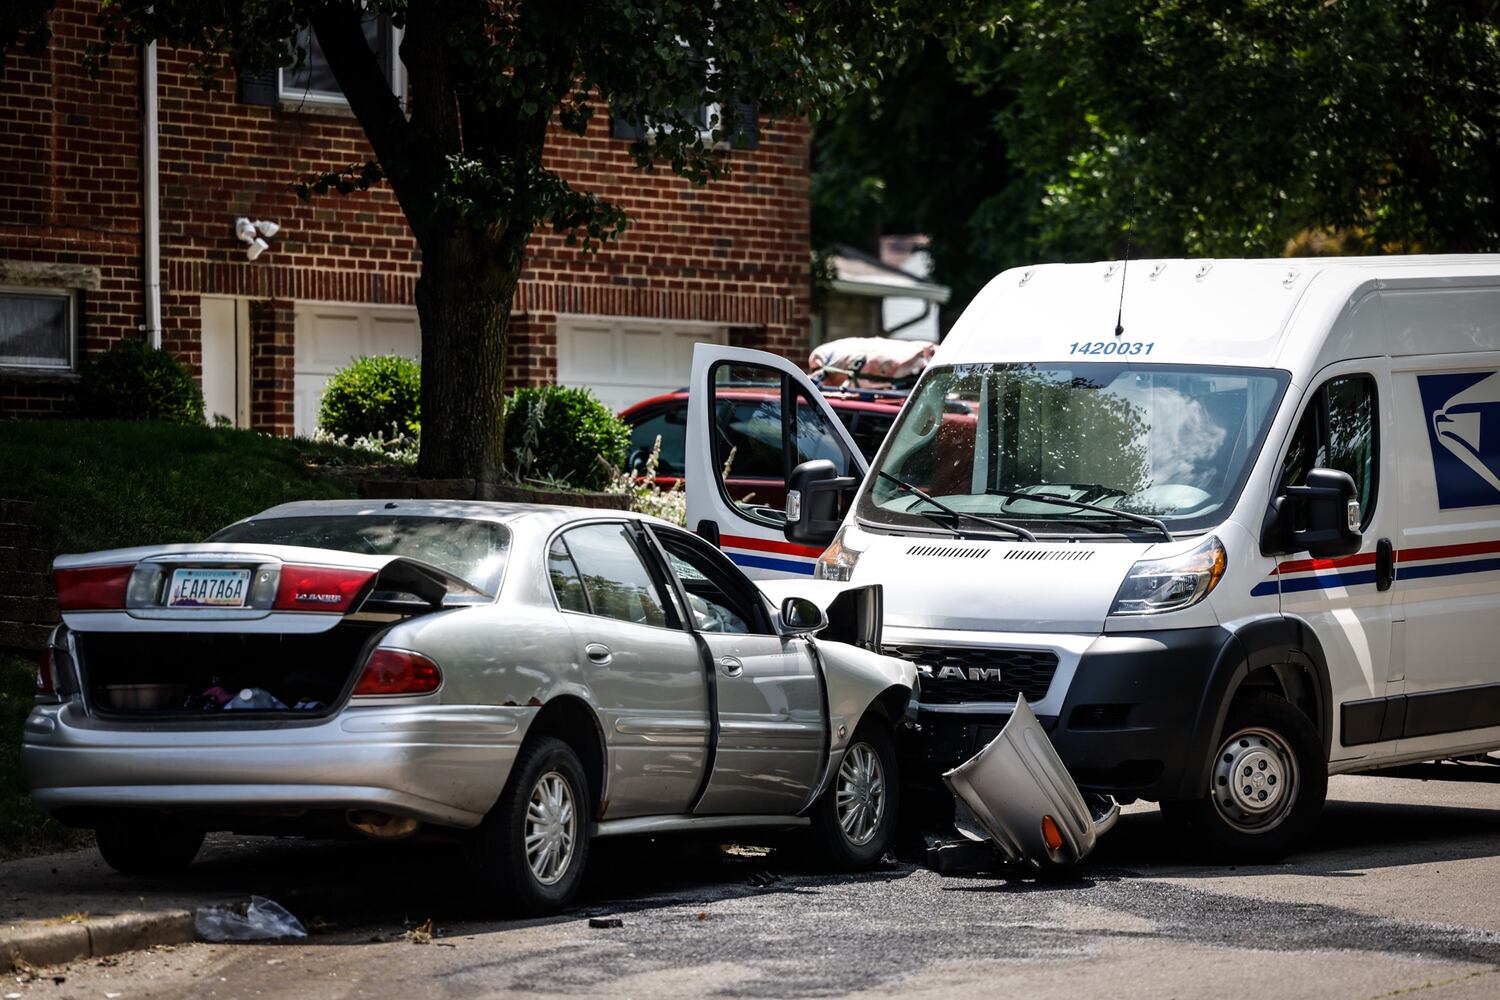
[801, 616]
[1321, 517]
[816, 500]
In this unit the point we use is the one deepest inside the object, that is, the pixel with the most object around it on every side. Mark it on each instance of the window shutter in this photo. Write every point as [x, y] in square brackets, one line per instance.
[621, 127]
[258, 88]
[744, 124]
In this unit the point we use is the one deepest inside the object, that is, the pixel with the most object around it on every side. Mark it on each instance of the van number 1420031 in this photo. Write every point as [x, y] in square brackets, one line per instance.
[1111, 347]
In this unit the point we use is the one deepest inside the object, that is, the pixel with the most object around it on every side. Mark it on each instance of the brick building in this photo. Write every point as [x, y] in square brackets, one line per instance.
[726, 263]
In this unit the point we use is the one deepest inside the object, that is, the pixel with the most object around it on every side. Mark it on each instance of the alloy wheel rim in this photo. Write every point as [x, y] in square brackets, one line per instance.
[551, 828]
[1255, 780]
[860, 794]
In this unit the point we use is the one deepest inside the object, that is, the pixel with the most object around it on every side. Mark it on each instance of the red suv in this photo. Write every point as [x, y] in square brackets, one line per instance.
[867, 413]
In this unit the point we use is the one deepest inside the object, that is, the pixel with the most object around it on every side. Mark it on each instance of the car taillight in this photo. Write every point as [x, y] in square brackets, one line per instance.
[97, 588]
[398, 671]
[46, 680]
[319, 588]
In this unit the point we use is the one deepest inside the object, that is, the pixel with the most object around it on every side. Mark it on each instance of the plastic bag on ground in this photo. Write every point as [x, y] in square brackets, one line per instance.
[260, 919]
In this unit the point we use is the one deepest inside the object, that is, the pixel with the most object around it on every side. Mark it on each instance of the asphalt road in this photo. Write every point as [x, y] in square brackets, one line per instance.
[1400, 895]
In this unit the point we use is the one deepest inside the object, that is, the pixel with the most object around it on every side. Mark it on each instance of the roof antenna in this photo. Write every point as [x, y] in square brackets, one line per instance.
[1125, 267]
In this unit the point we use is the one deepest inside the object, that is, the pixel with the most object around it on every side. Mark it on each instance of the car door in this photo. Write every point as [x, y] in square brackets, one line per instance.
[771, 729]
[750, 412]
[1348, 601]
[645, 671]
[1448, 435]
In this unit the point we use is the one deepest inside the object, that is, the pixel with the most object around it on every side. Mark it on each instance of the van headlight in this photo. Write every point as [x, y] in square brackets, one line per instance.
[1156, 586]
[837, 561]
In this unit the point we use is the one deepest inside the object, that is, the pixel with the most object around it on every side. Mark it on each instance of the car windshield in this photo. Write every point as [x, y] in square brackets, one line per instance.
[473, 551]
[1171, 442]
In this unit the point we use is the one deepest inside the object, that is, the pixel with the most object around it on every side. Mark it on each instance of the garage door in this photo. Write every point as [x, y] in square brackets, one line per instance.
[328, 337]
[625, 361]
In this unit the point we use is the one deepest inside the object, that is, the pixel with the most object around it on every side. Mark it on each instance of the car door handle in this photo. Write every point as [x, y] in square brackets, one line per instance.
[598, 652]
[731, 666]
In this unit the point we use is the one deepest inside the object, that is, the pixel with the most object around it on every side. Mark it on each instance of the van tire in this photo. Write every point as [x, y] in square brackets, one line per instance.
[1272, 740]
[548, 772]
[139, 845]
[871, 750]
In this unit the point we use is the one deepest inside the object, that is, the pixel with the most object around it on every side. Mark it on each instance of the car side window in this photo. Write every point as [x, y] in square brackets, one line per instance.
[718, 596]
[817, 439]
[670, 425]
[566, 583]
[1339, 430]
[614, 576]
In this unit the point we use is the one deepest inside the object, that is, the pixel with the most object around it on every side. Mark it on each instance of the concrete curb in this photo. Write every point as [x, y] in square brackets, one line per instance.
[55, 944]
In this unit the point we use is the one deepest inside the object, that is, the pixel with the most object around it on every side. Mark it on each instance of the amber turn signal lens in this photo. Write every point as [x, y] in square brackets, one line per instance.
[1051, 835]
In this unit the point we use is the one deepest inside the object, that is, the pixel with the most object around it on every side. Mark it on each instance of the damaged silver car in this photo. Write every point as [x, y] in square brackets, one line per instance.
[531, 677]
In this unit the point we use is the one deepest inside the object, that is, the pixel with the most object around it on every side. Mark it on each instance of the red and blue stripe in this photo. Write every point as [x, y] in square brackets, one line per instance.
[770, 554]
[1352, 571]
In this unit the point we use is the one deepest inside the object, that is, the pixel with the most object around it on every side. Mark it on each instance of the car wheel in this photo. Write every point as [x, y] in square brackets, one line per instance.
[854, 822]
[1266, 787]
[530, 851]
[139, 845]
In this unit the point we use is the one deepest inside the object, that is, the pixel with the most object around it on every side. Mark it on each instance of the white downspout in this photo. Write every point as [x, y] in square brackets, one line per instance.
[151, 194]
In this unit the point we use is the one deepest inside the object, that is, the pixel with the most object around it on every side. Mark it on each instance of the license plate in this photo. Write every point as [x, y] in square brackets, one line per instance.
[208, 588]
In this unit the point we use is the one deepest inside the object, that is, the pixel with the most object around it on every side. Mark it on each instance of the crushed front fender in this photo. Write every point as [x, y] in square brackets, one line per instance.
[1021, 796]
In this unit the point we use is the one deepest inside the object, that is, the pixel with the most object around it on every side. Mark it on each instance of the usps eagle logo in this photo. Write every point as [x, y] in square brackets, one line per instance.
[1463, 428]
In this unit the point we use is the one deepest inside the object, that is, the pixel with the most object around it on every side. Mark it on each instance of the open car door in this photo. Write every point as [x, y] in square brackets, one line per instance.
[753, 418]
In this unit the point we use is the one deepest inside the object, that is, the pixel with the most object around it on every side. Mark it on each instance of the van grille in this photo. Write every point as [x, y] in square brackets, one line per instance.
[953, 674]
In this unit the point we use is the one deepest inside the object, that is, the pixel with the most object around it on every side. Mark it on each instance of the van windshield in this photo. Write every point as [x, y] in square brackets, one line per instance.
[1172, 442]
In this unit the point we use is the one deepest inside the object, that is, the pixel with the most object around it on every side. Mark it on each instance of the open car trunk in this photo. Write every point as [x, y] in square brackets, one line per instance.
[195, 675]
[224, 633]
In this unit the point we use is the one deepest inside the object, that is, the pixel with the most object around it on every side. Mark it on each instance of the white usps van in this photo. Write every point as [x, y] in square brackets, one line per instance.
[1228, 526]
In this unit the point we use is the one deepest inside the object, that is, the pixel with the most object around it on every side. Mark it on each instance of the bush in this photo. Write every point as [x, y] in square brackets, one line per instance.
[563, 434]
[135, 381]
[373, 398]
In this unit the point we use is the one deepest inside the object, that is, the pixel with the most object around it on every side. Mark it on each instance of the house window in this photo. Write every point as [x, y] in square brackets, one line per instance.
[37, 328]
[311, 81]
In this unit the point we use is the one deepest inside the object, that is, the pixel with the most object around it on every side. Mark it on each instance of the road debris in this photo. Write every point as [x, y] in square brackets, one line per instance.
[420, 934]
[260, 919]
[606, 922]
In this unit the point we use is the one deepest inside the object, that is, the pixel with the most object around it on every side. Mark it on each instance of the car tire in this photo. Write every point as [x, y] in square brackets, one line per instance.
[147, 845]
[547, 797]
[844, 835]
[1273, 756]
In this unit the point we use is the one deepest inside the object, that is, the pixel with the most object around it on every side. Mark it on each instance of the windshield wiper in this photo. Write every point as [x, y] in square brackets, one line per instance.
[957, 515]
[1124, 515]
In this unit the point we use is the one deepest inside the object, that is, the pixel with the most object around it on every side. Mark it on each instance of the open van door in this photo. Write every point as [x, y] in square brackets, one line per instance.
[753, 417]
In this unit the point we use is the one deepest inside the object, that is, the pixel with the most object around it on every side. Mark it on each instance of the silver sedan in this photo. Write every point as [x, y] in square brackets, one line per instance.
[533, 676]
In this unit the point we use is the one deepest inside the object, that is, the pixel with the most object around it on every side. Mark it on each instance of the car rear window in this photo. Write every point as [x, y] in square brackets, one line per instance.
[473, 551]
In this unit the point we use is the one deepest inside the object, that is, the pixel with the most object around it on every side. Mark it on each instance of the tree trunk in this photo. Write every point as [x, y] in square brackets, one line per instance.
[463, 300]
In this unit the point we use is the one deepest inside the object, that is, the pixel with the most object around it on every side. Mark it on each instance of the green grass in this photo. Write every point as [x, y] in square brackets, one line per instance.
[23, 830]
[109, 484]
[106, 484]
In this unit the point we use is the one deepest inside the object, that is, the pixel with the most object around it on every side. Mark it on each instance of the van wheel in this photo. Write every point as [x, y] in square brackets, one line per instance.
[1267, 785]
[531, 849]
[854, 822]
[138, 845]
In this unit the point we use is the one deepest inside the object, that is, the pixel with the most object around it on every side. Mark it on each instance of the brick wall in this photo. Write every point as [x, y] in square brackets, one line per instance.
[735, 252]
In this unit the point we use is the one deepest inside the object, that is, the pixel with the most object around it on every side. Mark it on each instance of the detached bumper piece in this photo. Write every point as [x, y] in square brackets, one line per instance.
[1021, 798]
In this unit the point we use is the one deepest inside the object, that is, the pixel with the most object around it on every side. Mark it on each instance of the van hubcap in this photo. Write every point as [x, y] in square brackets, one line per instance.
[860, 794]
[551, 828]
[1255, 780]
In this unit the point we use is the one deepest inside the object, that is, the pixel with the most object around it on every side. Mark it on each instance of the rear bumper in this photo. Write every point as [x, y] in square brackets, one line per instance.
[439, 764]
[1135, 719]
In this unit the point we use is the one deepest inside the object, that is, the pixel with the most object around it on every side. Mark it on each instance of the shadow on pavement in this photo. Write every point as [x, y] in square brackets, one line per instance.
[344, 886]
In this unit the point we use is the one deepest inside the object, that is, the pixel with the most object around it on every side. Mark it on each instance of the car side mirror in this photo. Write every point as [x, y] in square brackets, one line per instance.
[801, 616]
[816, 500]
[1321, 517]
